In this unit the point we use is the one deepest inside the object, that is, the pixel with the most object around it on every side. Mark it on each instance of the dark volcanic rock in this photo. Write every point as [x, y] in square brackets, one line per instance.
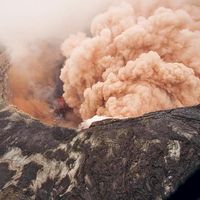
[145, 158]
[4, 66]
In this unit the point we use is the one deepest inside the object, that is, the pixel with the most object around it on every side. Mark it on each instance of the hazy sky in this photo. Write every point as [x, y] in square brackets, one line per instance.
[30, 20]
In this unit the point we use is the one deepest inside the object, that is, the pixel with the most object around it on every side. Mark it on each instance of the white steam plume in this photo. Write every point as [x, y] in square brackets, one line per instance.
[32, 32]
[25, 23]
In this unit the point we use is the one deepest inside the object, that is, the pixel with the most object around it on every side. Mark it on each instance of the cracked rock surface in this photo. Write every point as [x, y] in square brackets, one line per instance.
[144, 158]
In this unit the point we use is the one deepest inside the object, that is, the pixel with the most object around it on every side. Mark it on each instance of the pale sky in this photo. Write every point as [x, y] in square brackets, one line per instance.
[29, 20]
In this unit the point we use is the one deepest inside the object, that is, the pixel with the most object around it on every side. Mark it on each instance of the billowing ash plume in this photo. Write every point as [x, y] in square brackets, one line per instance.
[141, 56]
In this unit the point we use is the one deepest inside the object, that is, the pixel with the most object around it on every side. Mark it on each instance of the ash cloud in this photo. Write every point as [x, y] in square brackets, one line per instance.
[142, 56]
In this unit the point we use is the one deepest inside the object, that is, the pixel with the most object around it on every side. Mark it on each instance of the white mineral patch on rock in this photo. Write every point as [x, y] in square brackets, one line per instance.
[174, 149]
[87, 123]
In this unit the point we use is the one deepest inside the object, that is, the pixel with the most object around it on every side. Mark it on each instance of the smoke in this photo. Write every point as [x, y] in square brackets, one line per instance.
[32, 32]
[25, 22]
[141, 56]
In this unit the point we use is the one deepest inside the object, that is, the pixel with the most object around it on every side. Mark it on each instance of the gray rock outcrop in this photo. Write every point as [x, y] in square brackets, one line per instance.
[144, 158]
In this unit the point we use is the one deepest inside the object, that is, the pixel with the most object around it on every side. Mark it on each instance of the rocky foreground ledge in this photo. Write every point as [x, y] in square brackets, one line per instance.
[145, 158]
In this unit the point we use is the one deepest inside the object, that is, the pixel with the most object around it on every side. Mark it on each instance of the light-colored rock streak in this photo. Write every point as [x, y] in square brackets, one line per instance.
[51, 169]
